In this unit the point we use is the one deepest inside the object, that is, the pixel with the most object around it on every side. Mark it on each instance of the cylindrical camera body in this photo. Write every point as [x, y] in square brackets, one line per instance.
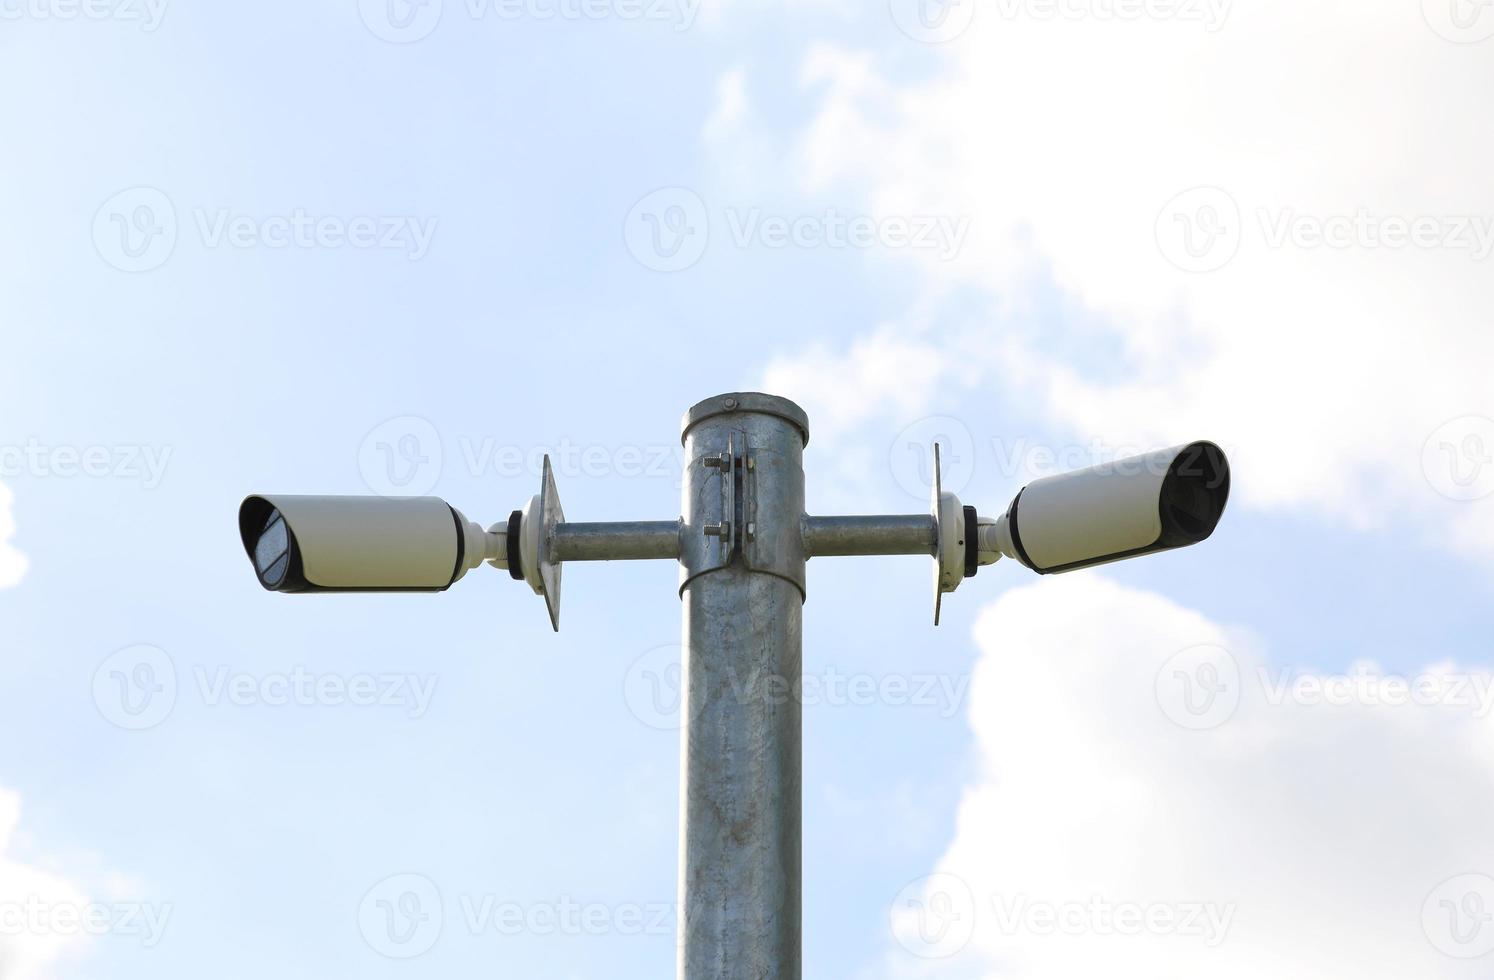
[1136, 506]
[354, 544]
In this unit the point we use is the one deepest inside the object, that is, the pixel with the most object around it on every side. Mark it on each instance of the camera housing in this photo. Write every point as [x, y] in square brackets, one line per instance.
[308, 543]
[1154, 502]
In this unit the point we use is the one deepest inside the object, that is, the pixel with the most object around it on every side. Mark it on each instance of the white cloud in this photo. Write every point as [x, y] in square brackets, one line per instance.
[30, 898]
[840, 390]
[1310, 838]
[1324, 369]
[731, 104]
[12, 562]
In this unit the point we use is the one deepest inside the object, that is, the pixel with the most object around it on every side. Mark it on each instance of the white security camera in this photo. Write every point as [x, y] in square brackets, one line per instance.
[1153, 502]
[362, 544]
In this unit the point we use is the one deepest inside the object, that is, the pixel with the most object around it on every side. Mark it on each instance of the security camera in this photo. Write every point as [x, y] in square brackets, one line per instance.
[363, 544]
[1136, 506]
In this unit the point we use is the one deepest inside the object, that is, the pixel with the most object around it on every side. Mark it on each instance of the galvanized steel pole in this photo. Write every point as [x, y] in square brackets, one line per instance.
[742, 582]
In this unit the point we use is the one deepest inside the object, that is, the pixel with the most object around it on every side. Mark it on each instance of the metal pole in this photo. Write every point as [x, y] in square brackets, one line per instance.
[742, 582]
[609, 541]
[912, 534]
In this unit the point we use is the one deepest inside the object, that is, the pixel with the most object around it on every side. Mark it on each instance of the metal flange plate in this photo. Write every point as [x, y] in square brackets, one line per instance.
[949, 537]
[550, 514]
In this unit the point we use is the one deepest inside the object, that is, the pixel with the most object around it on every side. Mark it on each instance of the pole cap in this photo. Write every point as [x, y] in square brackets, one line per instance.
[751, 402]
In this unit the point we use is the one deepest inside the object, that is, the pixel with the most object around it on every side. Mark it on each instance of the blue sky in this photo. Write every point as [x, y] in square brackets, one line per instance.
[503, 160]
